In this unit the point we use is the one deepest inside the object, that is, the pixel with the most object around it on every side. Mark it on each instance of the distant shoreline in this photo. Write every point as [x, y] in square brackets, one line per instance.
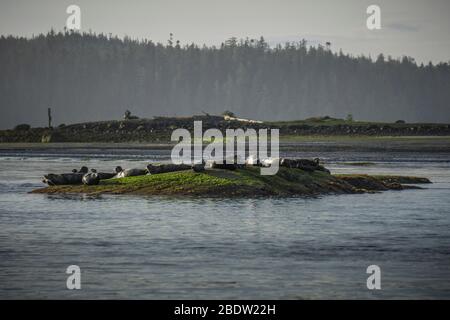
[158, 131]
[423, 144]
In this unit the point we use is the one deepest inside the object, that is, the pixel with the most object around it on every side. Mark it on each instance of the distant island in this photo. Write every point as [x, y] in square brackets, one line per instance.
[159, 129]
[90, 77]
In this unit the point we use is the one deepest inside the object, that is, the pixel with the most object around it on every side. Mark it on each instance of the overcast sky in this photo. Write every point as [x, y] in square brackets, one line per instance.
[417, 28]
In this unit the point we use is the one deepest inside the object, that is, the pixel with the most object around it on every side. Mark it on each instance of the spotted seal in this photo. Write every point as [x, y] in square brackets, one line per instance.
[104, 175]
[224, 166]
[304, 164]
[199, 167]
[61, 179]
[122, 173]
[252, 160]
[91, 178]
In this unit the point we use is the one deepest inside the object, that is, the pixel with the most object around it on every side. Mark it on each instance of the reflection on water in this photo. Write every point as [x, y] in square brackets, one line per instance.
[151, 247]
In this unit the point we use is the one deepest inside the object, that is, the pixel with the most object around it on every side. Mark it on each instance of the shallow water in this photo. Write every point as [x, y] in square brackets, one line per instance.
[179, 248]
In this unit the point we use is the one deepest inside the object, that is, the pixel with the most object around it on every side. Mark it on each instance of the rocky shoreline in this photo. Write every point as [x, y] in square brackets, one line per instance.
[159, 129]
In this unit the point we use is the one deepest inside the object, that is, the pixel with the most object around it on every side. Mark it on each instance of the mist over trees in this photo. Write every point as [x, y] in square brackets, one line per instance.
[87, 77]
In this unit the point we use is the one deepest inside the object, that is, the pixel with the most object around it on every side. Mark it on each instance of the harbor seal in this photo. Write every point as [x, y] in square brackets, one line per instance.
[224, 166]
[269, 162]
[304, 164]
[163, 168]
[103, 175]
[252, 160]
[122, 173]
[77, 177]
[83, 170]
[199, 167]
[288, 163]
[91, 179]
[61, 179]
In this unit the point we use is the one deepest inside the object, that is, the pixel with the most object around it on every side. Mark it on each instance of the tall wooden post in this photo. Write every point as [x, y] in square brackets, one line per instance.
[49, 111]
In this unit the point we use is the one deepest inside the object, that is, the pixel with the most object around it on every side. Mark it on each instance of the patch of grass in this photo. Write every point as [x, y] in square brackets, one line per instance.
[386, 178]
[172, 182]
[402, 179]
[323, 121]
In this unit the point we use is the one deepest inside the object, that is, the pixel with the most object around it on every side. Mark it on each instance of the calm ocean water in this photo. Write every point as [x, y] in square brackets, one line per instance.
[180, 248]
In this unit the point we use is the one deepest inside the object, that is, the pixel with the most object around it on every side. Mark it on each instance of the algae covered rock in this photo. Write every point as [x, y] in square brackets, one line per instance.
[242, 182]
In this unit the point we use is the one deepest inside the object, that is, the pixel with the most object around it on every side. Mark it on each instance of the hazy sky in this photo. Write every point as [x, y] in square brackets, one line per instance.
[418, 28]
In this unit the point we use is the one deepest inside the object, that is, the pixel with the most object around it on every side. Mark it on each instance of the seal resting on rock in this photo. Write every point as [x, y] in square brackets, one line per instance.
[122, 173]
[60, 179]
[199, 167]
[91, 179]
[229, 163]
[104, 175]
[225, 166]
[75, 177]
[94, 177]
[252, 161]
[163, 168]
[303, 164]
[82, 170]
[269, 161]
